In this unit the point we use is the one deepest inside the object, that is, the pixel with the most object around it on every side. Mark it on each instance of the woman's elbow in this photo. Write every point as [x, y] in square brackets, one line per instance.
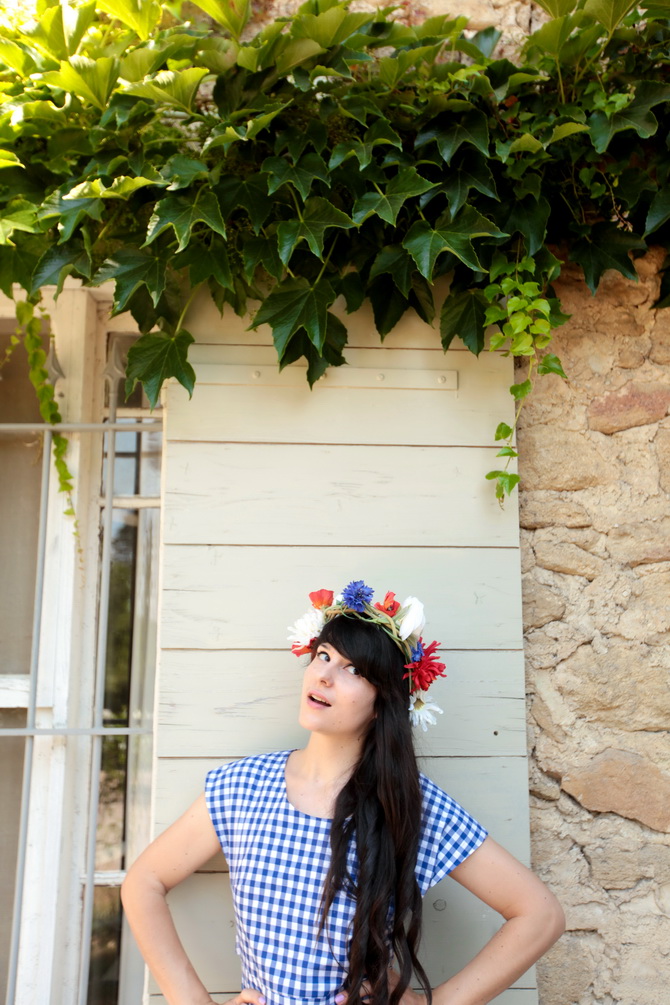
[553, 919]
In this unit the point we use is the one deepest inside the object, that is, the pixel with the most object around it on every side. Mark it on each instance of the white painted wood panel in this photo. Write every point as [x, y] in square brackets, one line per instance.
[243, 598]
[238, 703]
[326, 414]
[245, 493]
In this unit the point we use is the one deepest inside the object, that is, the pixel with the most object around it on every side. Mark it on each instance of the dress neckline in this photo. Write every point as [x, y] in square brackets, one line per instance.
[301, 813]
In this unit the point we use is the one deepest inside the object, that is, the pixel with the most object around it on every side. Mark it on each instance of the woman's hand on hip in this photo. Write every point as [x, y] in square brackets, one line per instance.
[247, 996]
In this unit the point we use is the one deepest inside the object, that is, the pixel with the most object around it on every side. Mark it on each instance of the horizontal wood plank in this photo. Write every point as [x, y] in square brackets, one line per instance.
[234, 493]
[232, 703]
[244, 597]
[329, 414]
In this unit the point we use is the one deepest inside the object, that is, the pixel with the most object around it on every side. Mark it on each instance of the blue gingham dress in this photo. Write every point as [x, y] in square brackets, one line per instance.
[278, 859]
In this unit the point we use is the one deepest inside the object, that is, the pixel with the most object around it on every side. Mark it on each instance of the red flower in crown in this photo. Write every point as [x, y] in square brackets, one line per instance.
[389, 605]
[321, 599]
[424, 668]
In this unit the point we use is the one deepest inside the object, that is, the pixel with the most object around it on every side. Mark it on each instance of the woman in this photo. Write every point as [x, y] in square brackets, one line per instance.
[331, 847]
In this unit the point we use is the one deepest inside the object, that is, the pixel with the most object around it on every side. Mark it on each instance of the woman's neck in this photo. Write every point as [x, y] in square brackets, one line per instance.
[316, 774]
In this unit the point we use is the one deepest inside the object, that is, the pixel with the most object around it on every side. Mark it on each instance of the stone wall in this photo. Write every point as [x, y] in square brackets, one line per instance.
[595, 516]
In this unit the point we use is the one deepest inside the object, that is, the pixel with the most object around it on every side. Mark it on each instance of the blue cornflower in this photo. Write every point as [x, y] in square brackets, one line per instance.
[356, 594]
[417, 652]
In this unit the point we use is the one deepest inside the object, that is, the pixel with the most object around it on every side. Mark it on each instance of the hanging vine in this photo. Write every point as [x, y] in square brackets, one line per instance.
[332, 156]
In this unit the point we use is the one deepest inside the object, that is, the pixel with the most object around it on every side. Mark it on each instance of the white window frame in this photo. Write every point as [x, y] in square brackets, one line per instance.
[60, 790]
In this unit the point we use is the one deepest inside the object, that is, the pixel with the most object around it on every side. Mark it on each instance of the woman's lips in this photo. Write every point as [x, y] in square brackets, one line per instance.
[317, 700]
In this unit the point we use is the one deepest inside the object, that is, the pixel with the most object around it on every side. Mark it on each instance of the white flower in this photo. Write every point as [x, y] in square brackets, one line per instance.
[421, 712]
[307, 627]
[414, 620]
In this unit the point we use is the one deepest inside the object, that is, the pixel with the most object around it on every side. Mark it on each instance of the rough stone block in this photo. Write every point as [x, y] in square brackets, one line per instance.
[618, 781]
[551, 457]
[540, 604]
[640, 543]
[636, 404]
[546, 509]
[563, 556]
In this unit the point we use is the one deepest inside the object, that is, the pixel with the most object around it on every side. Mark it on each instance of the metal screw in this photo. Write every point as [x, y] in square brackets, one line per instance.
[256, 373]
[442, 380]
[380, 376]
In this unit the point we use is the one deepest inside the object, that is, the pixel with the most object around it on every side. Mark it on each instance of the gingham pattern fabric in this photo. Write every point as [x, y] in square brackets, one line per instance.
[278, 859]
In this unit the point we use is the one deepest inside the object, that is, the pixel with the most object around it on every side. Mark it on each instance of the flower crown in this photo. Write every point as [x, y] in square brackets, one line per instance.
[403, 623]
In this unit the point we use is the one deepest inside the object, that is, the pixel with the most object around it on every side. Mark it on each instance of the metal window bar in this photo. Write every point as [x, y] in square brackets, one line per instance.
[98, 730]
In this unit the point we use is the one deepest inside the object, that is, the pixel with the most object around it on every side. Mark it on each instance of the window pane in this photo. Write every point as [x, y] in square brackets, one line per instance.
[19, 504]
[11, 775]
[103, 978]
[110, 835]
[120, 626]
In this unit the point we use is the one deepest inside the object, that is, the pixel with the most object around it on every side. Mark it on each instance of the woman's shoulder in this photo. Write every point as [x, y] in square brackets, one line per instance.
[438, 805]
[249, 769]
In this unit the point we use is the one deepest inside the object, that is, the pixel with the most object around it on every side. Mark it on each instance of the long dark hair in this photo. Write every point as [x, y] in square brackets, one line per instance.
[381, 805]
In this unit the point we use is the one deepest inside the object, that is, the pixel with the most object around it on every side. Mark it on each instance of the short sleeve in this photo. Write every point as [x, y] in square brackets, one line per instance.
[448, 836]
[218, 805]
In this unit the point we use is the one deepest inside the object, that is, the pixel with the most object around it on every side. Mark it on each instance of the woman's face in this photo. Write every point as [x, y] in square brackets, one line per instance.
[336, 699]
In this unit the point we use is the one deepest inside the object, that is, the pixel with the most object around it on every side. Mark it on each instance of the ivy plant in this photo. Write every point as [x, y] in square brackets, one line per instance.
[331, 158]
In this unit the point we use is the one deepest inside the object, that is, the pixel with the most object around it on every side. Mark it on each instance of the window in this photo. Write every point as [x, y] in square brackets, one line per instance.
[76, 698]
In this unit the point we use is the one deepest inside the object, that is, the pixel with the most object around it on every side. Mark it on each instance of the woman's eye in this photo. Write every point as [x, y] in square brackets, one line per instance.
[352, 670]
[323, 655]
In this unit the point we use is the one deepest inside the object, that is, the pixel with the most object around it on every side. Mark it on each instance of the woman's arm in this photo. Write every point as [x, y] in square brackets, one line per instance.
[178, 852]
[533, 921]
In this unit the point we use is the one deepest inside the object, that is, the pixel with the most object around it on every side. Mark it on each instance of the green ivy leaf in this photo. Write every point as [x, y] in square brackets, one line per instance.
[123, 187]
[331, 27]
[551, 364]
[471, 173]
[206, 261]
[68, 213]
[231, 14]
[380, 132]
[566, 129]
[60, 28]
[92, 79]
[17, 58]
[352, 289]
[182, 212]
[605, 248]
[157, 356]
[529, 216]
[132, 268]
[503, 431]
[659, 211]
[425, 243]
[301, 175]
[463, 314]
[388, 203]
[394, 260]
[57, 263]
[526, 143]
[609, 13]
[17, 215]
[140, 15]
[294, 304]
[250, 194]
[181, 171]
[388, 304]
[521, 390]
[319, 215]
[177, 88]
[259, 251]
[473, 128]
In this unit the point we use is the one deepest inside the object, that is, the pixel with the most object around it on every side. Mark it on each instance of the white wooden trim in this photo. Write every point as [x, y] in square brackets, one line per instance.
[14, 690]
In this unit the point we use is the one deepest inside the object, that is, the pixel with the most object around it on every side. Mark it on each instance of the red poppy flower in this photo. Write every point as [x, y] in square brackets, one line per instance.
[299, 650]
[425, 669]
[389, 605]
[321, 598]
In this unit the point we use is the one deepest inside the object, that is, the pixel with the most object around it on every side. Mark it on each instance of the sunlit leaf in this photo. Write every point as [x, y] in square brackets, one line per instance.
[16, 57]
[121, 188]
[332, 26]
[388, 203]
[17, 215]
[230, 14]
[140, 15]
[610, 13]
[92, 79]
[171, 87]
[60, 28]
